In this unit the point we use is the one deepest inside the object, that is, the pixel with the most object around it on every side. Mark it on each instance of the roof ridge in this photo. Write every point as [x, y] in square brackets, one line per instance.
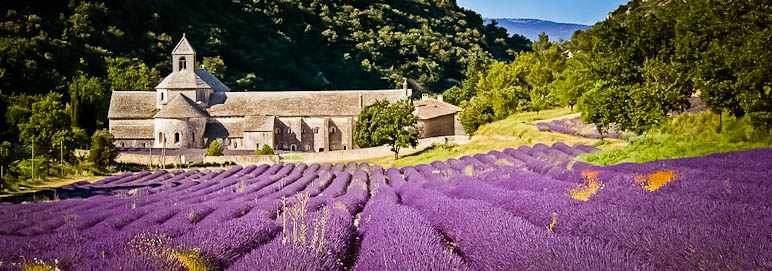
[180, 107]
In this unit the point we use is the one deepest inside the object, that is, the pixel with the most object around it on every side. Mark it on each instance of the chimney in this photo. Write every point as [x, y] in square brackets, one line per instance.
[439, 98]
[424, 96]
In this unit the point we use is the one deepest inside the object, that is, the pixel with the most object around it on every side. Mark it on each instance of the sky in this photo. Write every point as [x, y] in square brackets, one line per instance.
[565, 11]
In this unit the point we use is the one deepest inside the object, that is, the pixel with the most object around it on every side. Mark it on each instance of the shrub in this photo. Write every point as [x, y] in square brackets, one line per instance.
[103, 151]
[214, 149]
[266, 150]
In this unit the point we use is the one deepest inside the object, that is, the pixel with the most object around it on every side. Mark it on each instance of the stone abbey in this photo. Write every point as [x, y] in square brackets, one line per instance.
[191, 107]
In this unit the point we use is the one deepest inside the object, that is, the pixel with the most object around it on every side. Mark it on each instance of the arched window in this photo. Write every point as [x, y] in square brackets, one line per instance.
[177, 137]
[278, 131]
[163, 96]
[333, 130]
[160, 137]
[316, 130]
[289, 131]
[183, 64]
[345, 148]
[293, 147]
[192, 136]
[235, 144]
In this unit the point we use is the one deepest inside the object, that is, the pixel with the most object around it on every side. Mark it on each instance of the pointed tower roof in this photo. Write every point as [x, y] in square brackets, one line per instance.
[180, 107]
[183, 47]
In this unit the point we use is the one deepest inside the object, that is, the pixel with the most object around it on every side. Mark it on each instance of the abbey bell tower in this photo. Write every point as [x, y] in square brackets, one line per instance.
[183, 56]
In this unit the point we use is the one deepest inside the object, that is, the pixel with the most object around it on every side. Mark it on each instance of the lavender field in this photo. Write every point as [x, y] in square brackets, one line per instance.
[531, 208]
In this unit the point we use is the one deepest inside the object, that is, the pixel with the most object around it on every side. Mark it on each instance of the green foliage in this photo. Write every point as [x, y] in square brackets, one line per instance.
[456, 95]
[382, 123]
[214, 149]
[265, 150]
[88, 94]
[477, 112]
[603, 106]
[49, 127]
[131, 74]
[687, 135]
[215, 66]
[103, 151]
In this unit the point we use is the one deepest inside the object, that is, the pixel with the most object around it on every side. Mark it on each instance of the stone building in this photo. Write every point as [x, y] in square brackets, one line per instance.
[191, 107]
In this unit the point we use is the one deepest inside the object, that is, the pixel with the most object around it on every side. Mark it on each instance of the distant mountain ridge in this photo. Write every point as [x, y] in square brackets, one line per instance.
[531, 28]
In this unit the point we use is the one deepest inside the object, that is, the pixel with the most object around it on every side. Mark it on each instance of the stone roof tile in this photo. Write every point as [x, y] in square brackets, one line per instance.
[185, 79]
[132, 105]
[180, 107]
[132, 132]
[259, 123]
[223, 130]
[297, 103]
[211, 80]
[431, 108]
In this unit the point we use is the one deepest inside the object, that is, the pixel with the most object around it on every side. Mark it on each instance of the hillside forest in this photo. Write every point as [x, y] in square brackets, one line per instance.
[60, 61]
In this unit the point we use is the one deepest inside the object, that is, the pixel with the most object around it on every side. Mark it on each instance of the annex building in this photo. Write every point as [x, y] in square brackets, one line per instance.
[191, 107]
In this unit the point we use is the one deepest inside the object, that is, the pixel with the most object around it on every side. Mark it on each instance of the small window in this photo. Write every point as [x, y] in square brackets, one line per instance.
[333, 130]
[235, 144]
[183, 64]
[176, 137]
[293, 147]
[289, 131]
[163, 96]
[316, 130]
[192, 136]
[160, 137]
[278, 131]
[321, 149]
[345, 148]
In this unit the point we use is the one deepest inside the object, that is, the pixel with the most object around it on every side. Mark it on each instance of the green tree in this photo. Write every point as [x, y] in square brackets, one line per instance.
[5, 157]
[131, 74]
[103, 151]
[456, 95]
[48, 127]
[382, 123]
[214, 149]
[477, 111]
[215, 66]
[265, 150]
[603, 106]
[88, 94]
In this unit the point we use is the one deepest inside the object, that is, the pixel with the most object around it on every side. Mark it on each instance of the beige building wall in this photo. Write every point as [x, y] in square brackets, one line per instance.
[288, 133]
[439, 126]
[341, 133]
[185, 133]
[256, 140]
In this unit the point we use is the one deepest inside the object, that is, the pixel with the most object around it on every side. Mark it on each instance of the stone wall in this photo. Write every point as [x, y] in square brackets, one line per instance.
[369, 153]
[243, 160]
[144, 159]
[439, 126]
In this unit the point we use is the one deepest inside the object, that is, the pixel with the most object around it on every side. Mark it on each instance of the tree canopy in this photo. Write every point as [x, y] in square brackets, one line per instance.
[382, 123]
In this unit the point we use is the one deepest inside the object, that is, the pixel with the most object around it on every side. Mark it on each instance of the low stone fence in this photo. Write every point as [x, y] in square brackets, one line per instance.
[367, 153]
[144, 159]
[243, 160]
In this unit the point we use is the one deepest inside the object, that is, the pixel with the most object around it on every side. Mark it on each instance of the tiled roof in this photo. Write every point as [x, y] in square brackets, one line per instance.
[183, 47]
[185, 79]
[258, 123]
[132, 132]
[223, 130]
[180, 107]
[431, 108]
[211, 80]
[132, 105]
[297, 103]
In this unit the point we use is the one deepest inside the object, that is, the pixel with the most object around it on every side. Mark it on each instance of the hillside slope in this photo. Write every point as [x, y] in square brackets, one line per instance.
[531, 28]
